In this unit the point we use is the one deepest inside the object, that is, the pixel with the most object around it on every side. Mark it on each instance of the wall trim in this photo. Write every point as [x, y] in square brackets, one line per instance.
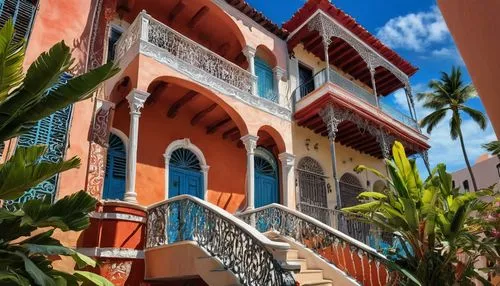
[117, 216]
[110, 252]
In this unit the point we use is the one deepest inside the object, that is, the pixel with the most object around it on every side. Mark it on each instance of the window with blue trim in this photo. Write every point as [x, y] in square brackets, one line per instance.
[265, 80]
[22, 13]
[52, 131]
[116, 166]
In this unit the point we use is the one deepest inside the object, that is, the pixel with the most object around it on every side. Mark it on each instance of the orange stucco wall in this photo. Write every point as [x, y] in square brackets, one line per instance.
[474, 28]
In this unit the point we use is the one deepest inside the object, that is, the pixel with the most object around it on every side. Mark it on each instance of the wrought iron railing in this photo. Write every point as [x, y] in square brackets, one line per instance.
[182, 48]
[240, 248]
[320, 78]
[355, 258]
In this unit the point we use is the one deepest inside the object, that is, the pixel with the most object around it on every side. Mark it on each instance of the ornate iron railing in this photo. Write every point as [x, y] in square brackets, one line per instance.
[181, 47]
[355, 258]
[320, 78]
[240, 248]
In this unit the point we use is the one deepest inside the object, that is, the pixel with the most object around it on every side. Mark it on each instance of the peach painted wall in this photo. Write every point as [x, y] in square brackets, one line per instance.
[485, 171]
[475, 31]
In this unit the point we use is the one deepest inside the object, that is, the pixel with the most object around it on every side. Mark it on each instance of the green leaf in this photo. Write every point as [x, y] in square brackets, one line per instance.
[12, 278]
[92, 278]
[372, 195]
[42, 238]
[25, 170]
[80, 259]
[11, 60]
[68, 213]
[363, 208]
[32, 269]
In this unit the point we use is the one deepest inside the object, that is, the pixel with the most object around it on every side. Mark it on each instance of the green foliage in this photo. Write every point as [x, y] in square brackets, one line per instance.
[449, 95]
[26, 236]
[493, 147]
[444, 228]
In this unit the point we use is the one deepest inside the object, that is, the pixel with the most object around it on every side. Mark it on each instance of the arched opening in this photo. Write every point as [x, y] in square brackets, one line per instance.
[265, 61]
[115, 174]
[266, 178]
[350, 188]
[312, 189]
[185, 176]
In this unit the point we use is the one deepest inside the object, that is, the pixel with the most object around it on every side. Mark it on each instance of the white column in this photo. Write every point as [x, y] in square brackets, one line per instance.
[249, 52]
[293, 67]
[250, 142]
[136, 99]
[287, 177]
[278, 75]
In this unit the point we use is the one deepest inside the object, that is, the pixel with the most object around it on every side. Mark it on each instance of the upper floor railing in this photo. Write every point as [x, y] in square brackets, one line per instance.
[355, 258]
[320, 78]
[148, 29]
[239, 247]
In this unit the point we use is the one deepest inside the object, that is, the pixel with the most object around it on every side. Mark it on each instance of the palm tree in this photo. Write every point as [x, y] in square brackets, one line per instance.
[450, 94]
[493, 147]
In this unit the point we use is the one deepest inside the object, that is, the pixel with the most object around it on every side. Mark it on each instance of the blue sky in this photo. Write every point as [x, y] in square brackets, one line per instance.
[417, 31]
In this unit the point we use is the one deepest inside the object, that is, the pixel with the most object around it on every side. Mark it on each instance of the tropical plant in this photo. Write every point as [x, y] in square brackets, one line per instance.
[440, 235]
[451, 94]
[493, 147]
[27, 246]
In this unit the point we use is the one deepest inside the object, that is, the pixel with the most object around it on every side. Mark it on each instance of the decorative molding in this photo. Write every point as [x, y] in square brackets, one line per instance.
[117, 216]
[110, 252]
[186, 144]
[136, 99]
[287, 159]
[250, 142]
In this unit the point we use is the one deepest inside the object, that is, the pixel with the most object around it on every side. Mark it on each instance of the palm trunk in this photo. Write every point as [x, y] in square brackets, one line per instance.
[467, 159]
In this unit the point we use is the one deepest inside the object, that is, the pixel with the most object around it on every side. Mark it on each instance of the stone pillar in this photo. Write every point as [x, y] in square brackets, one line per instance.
[249, 52]
[287, 177]
[278, 75]
[293, 67]
[136, 99]
[250, 142]
[332, 122]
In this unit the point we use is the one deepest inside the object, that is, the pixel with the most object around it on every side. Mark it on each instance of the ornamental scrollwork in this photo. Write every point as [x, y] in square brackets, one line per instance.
[239, 251]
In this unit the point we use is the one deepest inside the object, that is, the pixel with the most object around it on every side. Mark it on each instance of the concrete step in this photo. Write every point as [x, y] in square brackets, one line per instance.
[309, 275]
[302, 263]
[323, 282]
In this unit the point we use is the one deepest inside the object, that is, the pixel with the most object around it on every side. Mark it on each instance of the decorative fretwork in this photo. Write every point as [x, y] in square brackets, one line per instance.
[328, 28]
[265, 163]
[52, 131]
[186, 218]
[185, 159]
[330, 244]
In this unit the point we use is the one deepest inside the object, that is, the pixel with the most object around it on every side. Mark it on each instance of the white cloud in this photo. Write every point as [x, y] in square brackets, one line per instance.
[449, 53]
[415, 31]
[443, 148]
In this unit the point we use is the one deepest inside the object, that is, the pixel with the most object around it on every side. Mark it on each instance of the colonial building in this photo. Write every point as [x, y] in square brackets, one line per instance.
[218, 113]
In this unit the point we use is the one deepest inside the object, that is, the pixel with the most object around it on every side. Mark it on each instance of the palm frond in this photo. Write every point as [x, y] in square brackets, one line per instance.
[455, 123]
[433, 119]
[476, 115]
[11, 60]
[493, 147]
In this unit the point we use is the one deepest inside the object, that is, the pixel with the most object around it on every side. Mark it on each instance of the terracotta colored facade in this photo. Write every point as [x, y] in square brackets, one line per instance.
[189, 80]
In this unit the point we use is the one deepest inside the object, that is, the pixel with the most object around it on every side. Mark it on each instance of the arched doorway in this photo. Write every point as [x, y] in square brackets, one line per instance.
[116, 162]
[185, 175]
[312, 189]
[350, 188]
[266, 178]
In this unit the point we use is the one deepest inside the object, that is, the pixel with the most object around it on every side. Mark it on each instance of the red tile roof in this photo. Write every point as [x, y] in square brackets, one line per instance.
[349, 23]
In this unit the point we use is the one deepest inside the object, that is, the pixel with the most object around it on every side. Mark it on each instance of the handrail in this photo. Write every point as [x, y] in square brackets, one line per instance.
[240, 248]
[319, 237]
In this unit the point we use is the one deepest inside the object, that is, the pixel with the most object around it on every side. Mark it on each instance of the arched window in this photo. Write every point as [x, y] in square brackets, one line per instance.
[350, 188]
[312, 189]
[466, 185]
[116, 166]
[498, 169]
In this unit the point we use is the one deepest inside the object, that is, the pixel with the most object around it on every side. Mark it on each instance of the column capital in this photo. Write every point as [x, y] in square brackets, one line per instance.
[331, 120]
[250, 142]
[249, 51]
[287, 159]
[136, 99]
[279, 72]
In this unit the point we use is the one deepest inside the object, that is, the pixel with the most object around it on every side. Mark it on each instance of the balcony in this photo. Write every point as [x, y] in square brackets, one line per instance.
[357, 92]
[152, 38]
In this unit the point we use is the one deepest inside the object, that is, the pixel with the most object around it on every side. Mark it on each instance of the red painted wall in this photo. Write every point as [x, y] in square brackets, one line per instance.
[226, 176]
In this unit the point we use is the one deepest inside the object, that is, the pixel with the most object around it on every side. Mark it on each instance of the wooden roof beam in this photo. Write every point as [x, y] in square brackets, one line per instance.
[176, 11]
[200, 115]
[198, 16]
[172, 111]
[212, 128]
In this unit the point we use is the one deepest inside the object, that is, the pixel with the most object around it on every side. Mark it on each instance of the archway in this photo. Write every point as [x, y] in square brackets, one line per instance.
[266, 178]
[312, 189]
[115, 174]
[350, 188]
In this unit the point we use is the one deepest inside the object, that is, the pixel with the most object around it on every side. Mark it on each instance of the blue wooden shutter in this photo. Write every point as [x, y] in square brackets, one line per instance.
[265, 81]
[51, 131]
[22, 13]
[116, 166]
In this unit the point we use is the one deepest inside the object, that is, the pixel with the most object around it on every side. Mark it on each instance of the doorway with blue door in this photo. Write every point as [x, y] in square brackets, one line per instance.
[266, 178]
[265, 80]
[116, 163]
[185, 175]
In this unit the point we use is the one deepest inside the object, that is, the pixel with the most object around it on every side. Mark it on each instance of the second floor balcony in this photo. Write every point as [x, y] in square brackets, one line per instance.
[150, 37]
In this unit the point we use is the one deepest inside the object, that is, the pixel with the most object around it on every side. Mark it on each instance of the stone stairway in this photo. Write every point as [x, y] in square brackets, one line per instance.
[303, 274]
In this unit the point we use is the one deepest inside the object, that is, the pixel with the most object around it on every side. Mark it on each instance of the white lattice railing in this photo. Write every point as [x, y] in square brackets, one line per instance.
[150, 30]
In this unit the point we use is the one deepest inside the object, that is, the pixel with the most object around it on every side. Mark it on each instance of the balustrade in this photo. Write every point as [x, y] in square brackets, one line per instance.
[240, 248]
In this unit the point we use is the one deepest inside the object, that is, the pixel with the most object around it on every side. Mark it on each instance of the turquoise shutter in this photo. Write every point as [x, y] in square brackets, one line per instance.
[265, 81]
[116, 166]
[51, 131]
[22, 13]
